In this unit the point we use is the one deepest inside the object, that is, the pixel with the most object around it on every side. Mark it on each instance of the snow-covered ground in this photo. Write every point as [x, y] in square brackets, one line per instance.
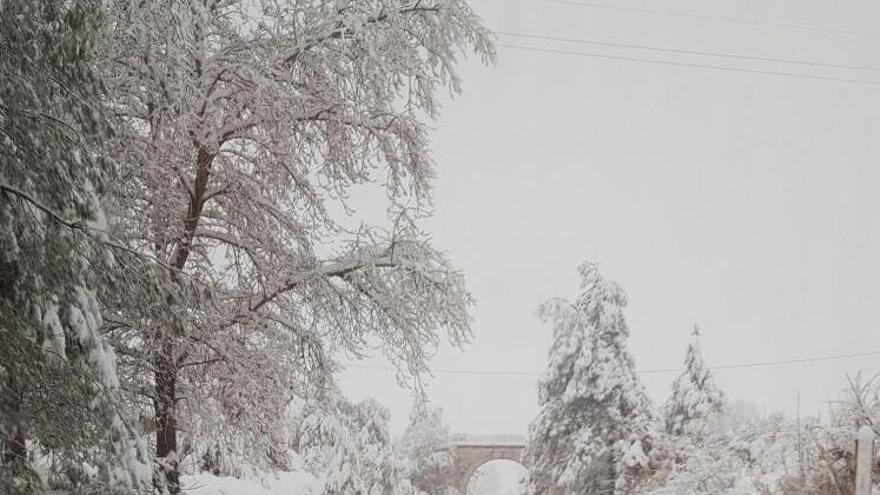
[494, 478]
[283, 483]
[499, 477]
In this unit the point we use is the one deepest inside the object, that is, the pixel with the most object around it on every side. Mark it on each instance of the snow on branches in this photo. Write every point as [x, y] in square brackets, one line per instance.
[593, 424]
[244, 128]
[694, 394]
[349, 446]
[424, 449]
[56, 369]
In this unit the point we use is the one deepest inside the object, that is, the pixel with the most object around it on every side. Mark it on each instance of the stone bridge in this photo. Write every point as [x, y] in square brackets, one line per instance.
[472, 451]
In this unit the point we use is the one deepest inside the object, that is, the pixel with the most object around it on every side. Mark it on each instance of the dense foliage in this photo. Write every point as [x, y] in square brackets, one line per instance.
[57, 370]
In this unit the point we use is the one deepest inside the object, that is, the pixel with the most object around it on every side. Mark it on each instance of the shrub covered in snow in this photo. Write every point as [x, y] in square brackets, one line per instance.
[424, 450]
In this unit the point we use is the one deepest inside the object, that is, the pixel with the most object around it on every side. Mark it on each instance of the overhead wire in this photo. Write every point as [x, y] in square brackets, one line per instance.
[758, 364]
[690, 64]
[736, 56]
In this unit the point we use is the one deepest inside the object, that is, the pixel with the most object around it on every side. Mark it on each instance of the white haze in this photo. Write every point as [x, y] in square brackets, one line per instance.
[744, 202]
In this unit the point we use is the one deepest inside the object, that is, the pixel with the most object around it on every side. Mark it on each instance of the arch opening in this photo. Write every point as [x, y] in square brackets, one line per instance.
[498, 477]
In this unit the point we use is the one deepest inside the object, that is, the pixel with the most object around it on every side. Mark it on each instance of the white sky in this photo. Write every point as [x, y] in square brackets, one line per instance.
[745, 202]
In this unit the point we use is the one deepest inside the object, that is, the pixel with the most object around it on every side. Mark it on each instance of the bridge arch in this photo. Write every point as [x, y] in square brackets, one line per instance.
[473, 451]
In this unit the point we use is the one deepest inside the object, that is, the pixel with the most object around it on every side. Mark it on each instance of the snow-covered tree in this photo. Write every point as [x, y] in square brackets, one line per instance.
[424, 448]
[58, 385]
[692, 451]
[695, 396]
[350, 449]
[247, 125]
[710, 468]
[591, 432]
[827, 452]
[737, 451]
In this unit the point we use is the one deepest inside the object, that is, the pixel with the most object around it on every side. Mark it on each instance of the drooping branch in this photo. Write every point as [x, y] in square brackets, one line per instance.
[72, 224]
[81, 226]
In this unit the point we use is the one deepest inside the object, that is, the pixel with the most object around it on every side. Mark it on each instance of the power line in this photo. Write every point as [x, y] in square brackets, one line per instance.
[759, 364]
[448, 371]
[688, 52]
[762, 364]
[691, 15]
[691, 65]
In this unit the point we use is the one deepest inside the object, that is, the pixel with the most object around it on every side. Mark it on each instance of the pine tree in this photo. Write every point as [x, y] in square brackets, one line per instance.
[694, 394]
[593, 424]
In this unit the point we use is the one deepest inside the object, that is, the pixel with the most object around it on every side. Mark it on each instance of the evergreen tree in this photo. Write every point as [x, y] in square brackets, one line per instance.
[694, 394]
[57, 374]
[592, 429]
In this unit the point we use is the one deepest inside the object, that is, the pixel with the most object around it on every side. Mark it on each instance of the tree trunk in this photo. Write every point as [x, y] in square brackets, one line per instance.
[166, 420]
[166, 367]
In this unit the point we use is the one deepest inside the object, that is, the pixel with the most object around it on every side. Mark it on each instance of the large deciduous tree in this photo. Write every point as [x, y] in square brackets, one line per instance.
[594, 417]
[247, 125]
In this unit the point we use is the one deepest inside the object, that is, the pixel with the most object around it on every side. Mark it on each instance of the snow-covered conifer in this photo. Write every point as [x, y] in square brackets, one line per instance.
[694, 393]
[592, 429]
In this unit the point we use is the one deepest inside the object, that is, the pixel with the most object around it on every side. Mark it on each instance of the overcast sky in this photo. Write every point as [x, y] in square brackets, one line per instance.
[745, 202]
